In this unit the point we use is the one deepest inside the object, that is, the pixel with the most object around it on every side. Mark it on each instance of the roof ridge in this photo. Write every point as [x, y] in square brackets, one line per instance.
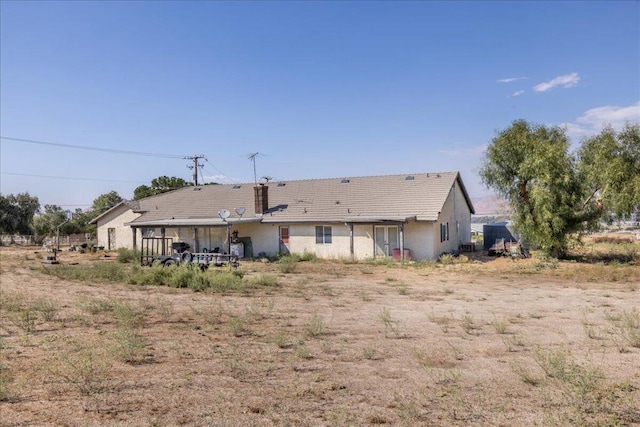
[341, 177]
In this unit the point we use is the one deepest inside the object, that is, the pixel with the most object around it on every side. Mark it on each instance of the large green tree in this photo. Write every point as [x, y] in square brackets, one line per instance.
[16, 213]
[554, 194]
[104, 202]
[45, 223]
[159, 185]
[610, 164]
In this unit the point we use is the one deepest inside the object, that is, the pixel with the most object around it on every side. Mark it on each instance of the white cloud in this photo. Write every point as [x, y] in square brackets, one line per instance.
[593, 120]
[510, 79]
[517, 93]
[566, 81]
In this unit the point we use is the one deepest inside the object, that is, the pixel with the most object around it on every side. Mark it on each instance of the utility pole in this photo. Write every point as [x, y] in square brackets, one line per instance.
[195, 166]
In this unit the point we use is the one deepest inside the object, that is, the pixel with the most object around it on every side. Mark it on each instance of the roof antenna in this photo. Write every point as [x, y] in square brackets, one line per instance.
[252, 157]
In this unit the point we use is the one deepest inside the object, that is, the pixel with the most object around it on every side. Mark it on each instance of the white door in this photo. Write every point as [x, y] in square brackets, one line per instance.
[386, 239]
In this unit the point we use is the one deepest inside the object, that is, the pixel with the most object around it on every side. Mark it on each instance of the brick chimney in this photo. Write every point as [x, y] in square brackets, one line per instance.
[261, 193]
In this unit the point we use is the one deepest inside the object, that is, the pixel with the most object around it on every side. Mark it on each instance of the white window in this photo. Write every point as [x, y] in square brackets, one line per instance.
[323, 234]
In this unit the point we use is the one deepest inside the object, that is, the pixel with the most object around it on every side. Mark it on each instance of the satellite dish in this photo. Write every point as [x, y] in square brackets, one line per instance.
[240, 211]
[224, 214]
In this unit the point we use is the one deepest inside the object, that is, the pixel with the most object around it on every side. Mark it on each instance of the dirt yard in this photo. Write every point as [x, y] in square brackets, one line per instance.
[489, 342]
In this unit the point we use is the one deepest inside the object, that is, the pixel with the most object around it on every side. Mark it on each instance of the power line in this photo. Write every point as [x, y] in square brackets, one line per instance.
[73, 178]
[107, 150]
[220, 172]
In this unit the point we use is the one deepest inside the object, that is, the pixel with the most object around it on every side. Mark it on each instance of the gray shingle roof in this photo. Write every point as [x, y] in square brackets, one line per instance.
[353, 199]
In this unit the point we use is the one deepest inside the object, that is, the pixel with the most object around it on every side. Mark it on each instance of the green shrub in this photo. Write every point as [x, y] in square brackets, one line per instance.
[128, 256]
[154, 275]
[308, 256]
[184, 276]
[447, 259]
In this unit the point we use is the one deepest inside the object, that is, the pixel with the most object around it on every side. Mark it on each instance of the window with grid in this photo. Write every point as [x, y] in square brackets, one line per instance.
[323, 234]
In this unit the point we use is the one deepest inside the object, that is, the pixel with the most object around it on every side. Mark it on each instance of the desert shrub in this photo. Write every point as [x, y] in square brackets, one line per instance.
[7, 388]
[129, 344]
[154, 275]
[314, 327]
[308, 256]
[128, 256]
[46, 307]
[447, 259]
[186, 276]
[225, 281]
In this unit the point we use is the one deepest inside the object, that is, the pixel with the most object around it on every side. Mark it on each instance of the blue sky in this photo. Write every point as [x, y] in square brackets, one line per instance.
[320, 89]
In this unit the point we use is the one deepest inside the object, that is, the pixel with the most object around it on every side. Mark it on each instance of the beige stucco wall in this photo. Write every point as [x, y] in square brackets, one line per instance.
[116, 219]
[456, 212]
[302, 238]
[418, 239]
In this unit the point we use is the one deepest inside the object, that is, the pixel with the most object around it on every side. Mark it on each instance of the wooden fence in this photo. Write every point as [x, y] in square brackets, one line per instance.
[30, 240]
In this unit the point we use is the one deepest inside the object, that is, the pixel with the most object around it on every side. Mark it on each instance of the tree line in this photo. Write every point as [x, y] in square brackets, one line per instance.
[22, 213]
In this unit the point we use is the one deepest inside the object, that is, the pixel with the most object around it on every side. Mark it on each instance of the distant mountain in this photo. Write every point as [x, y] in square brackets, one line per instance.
[490, 205]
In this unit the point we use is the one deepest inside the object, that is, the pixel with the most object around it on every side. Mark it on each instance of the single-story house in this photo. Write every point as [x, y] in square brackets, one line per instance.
[419, 216]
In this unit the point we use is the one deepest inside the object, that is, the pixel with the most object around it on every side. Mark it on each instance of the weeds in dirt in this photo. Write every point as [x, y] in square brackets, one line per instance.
[287, 266]
[96, 305]
[391, 326]
[626, 328]
[469, 325]
[280, 339]
[580, 393]
[303, 352]
[526, 373]
[237, 326]
[402, 289]
[27, 320]
[314, 327]
[165, 308]
[444, 376]
[259, 309]
[83, 370]
[512, 342]
[129, 345]
[11, 301]
[370, 353]
[48, 308]
[8, 390]
[500, 326]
